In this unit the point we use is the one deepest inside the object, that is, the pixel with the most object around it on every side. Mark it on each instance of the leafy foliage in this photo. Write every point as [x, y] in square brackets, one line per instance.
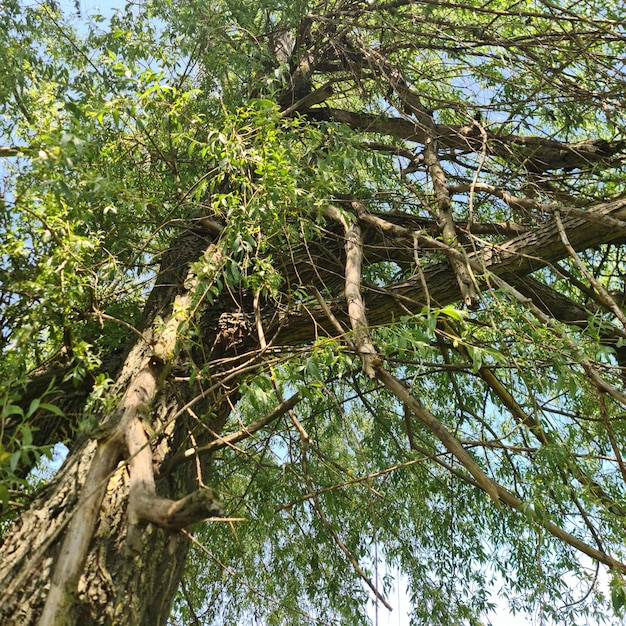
[266, 129]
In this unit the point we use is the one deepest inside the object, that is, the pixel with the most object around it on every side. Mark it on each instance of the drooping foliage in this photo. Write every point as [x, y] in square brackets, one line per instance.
[457, 165]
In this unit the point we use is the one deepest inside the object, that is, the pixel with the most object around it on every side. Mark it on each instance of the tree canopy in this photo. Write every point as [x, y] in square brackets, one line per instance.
[345, 278]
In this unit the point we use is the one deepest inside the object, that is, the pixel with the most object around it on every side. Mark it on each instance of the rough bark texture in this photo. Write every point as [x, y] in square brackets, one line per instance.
[131, 570]
[117, 586]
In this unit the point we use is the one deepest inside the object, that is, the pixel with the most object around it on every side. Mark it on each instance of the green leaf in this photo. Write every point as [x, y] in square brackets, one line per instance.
[34, 405]
[12, 409]
[27, 435]
[55, 410]
[618, 592]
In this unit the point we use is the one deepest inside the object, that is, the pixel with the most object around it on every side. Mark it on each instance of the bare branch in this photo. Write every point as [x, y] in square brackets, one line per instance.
[250, 429]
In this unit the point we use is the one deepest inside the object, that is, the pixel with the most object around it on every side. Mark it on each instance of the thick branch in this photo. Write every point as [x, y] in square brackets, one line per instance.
[495, 491]
[604, 296]
[73, 552]
[517, 257]
[372, 365]
[354, 299]
[412, 104]
[12, 151]
[537, 153]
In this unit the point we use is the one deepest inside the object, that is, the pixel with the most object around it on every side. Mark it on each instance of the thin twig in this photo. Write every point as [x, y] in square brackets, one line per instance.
[239, 577]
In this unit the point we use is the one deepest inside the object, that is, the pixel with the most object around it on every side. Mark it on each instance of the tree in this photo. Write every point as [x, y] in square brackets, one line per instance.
[356, 267]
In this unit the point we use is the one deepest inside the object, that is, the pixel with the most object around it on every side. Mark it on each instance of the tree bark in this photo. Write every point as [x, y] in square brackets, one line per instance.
[119, 584]
[122, 569]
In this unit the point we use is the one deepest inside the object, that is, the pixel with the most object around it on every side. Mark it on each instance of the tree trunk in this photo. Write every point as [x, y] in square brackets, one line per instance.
[129, 572]
[121, 583]
[115, 588]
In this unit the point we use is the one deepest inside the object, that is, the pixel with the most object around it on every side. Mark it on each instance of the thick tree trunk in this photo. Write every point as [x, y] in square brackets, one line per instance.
[115, 588]
[121, 583]
[129, 569]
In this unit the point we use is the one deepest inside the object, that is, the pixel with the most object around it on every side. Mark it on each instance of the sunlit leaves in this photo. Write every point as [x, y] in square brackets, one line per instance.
[164, 121]
[618, 593]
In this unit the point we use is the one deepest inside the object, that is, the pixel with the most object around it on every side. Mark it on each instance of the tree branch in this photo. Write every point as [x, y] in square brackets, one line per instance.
[536, 153]
[356, 306]
[250, 429]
